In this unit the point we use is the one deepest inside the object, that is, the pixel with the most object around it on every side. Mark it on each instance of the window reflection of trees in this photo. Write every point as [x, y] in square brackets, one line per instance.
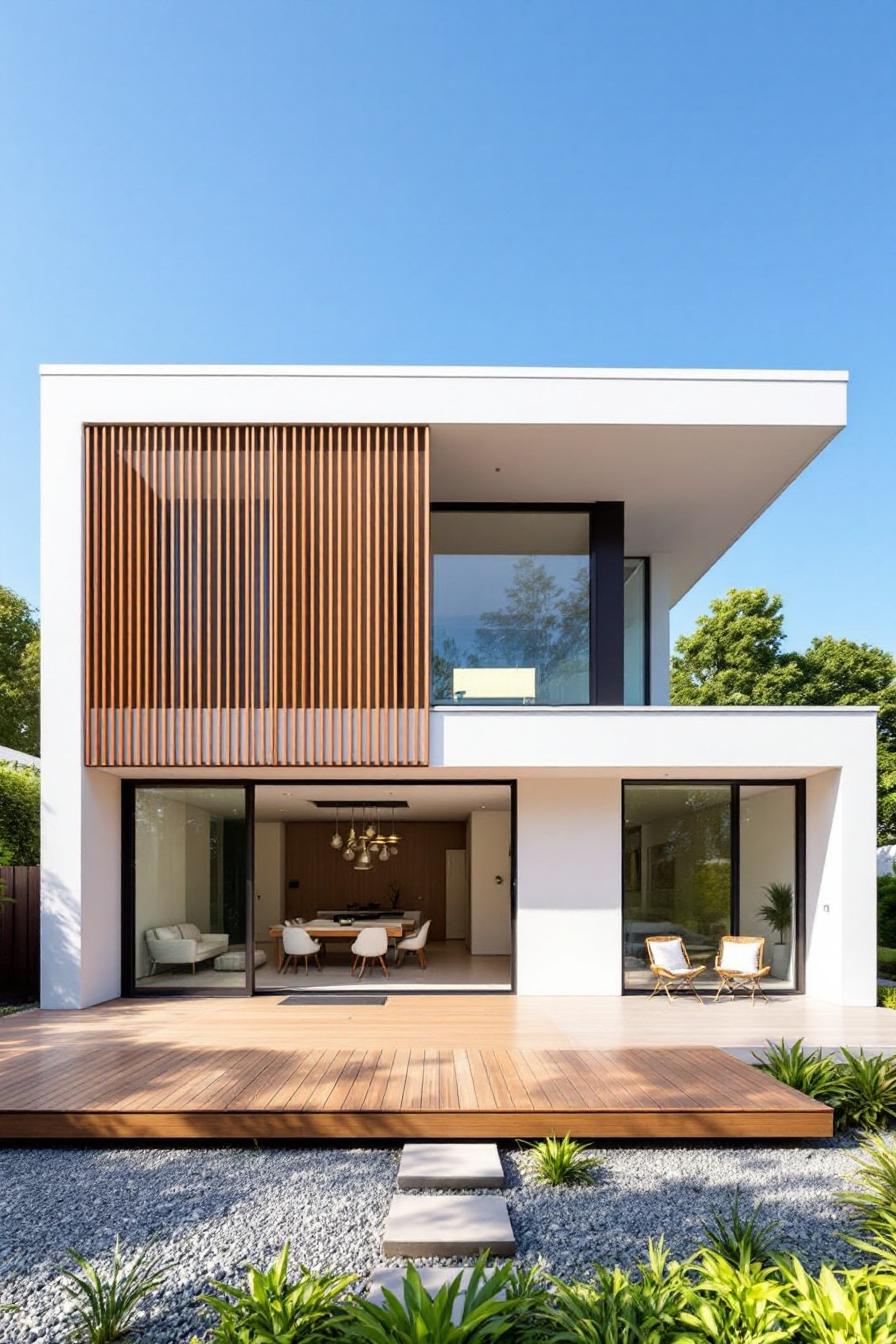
[542, 624]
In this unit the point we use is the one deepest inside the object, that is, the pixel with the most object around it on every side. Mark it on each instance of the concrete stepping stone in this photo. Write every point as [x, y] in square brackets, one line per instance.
[433, 1277]
[440, 1226]
[450, 1166]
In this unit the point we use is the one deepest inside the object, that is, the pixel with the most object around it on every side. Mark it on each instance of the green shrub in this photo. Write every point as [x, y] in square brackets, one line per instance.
[742, 1238]
[886, 996]
[808, 1071]
[106, 1303]
[871, 1201]
[643, 1307]
[19, 814]
[857, 1305]
[273, 1308]
[563, 1161]
[886, 909]
[732, 1303]
[868, 1091]
[861, 1088]
[494, 1305]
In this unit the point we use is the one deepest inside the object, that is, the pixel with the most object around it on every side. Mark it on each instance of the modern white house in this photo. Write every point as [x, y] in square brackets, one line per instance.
[377, 658]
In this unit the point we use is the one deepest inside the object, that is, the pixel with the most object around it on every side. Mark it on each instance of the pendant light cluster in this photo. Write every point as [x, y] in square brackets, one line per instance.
[367, 844]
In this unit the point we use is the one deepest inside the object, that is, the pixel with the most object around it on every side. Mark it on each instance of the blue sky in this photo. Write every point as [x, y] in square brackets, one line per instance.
[685, 182]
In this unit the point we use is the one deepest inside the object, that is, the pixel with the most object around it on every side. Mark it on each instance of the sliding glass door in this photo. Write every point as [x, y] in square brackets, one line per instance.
[704, 859]
[190, 868]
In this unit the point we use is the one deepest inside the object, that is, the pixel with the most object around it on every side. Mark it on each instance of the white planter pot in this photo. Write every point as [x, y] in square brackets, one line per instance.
[781, 961]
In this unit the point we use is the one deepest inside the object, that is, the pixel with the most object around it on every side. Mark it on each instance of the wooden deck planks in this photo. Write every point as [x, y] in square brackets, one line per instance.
[686, 1092]
[472, 1067]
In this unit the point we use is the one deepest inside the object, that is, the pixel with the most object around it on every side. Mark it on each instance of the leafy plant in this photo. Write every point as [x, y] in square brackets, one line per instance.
[494, 1303]
[106, 1303]
[868, 1091]
[886, 996]
[742, 1239]
[640, 1308]
[778, 909]
[733, 1303]
[838, 1308]
[563, 1161]
[273, 1309]
[871, 1201]
[808, 1071]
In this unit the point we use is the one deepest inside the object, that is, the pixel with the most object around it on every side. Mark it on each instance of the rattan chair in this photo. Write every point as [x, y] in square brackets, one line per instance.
[739, 965]
[671, 964]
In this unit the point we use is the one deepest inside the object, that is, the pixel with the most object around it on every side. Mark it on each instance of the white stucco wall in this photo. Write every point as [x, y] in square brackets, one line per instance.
[568, 901]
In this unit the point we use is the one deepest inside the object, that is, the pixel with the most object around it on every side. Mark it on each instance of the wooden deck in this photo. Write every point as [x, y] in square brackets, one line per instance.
[473, 1067]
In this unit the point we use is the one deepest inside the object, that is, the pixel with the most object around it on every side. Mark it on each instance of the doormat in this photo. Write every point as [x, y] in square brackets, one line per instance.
[376, 1000]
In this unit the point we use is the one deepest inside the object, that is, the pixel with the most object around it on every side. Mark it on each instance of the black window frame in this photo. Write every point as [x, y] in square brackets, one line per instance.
[129, 988]
[606, 569]
[799, 893]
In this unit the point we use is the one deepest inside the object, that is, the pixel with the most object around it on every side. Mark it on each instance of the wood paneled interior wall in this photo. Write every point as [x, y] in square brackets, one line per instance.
[256, 595]
[327, 882]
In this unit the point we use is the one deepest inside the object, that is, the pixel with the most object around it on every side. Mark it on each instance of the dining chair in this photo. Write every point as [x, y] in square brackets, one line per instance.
[297, 943]
[415, 943]
[371, 944]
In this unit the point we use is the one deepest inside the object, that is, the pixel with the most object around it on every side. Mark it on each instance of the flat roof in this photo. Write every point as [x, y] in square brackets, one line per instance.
[696, 454]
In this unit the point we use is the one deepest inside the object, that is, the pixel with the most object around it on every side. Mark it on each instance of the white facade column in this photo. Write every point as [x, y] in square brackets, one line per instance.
[841, 921]
[569, 886]
[80, 922]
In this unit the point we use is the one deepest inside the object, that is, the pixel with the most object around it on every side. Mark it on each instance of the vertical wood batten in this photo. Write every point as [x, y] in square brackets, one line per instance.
[256, 595]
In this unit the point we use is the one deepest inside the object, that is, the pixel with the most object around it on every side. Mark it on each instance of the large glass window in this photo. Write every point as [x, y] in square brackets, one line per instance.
[677, 871]
[635, 632]
[703, 860]
[511, 608]
[190, 888]
[768, 874]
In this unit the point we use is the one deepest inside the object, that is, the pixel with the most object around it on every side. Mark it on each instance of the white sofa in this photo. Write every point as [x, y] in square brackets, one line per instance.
[182, 945]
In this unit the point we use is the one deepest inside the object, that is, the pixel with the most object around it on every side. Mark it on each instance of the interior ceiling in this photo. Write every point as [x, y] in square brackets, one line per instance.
[431, 802]
[689, 491]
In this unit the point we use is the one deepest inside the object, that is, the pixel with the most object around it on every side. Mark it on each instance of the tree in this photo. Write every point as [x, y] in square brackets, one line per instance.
[735, 656]
[19, 674]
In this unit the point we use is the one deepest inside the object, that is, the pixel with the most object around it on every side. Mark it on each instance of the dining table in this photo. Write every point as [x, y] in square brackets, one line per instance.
[331, 930]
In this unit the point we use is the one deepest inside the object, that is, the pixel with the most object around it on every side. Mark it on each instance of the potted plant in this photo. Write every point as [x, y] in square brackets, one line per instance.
[778, 915]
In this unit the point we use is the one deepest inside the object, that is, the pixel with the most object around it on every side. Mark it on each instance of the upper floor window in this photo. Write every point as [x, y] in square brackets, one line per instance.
[511, 607]
[634, 615]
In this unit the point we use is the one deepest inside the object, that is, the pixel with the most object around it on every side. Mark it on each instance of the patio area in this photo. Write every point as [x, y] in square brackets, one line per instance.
[465, 1066]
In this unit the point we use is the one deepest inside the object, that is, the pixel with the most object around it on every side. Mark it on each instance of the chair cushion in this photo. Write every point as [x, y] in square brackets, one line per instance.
[742, 957]
[669, 956]
[189, 931]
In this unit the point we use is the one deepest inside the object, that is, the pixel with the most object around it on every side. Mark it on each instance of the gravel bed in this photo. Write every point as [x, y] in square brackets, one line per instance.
[215, 1208]
[211, 1208]
[641, 1192]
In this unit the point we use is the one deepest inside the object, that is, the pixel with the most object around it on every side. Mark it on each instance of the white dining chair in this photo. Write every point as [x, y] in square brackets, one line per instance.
[416, 943]
[371, 944]
[297, 943]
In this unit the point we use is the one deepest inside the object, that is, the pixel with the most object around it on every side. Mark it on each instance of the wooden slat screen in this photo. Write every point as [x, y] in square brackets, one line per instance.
[256, 595]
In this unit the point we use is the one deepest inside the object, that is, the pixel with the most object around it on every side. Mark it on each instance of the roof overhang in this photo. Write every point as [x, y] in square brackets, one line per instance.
[696, 454]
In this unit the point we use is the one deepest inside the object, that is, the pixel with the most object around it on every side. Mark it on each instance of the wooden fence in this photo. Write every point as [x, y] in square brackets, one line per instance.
[20, 934]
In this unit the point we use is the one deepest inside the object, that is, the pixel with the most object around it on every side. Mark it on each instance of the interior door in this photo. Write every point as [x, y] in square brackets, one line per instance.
[455, 893]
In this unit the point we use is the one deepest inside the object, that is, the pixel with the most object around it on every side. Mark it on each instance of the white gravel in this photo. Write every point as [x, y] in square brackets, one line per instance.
[215, 1208]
